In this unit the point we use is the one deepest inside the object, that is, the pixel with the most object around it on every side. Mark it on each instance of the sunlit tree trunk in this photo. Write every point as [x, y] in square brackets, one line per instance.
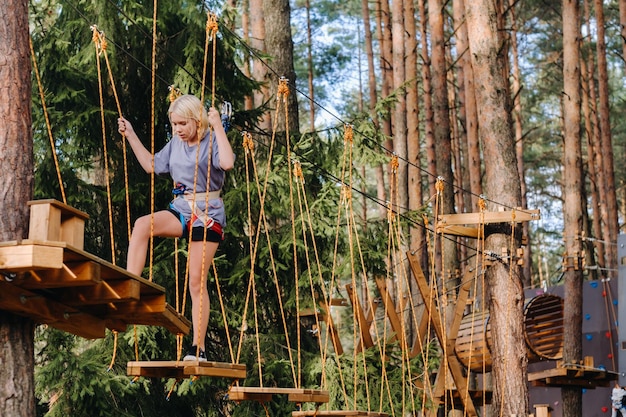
[413, 141]
[279, 46]
[399, 111]
[310, 69]
[442, 139]
[505, 295]
[383, 22]
[248, 102]
[468, 109]
[517, 124]
[609, 196]
[431, 156]
[622, 24]
[17, 387]
[595, 158]
[572, 206]
[259, 70]
[595, 250]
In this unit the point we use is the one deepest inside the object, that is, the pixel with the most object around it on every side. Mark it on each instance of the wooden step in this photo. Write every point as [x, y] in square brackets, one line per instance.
[265, 394]
[337, 413]
[185, 369]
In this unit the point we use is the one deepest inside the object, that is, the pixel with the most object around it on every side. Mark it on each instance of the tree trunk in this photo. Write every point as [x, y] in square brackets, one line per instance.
[399, 112]
[383, 22]
[248, 103]
[17, 387]
[596, 230]
[572, 207]
[622, 24]
[505, 295]
[519, 133]
[310, 69]
[609, 196]
[431, 156]
[601, 232]
[442, 140]
[259, 70]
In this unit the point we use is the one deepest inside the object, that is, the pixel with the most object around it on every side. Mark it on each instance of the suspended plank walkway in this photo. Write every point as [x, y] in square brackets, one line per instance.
[52, 280]
[185, 369]
[265, 394]
[337, 413]
[573, 375]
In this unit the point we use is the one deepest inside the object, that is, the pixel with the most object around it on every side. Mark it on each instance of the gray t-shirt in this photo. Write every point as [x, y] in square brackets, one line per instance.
[179, 161]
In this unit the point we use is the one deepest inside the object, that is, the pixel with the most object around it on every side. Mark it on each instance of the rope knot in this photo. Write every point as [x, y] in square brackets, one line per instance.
[482, 204]
[348, 133]
[283, 88]
[211, 25]
[174, 93]
[297, 171]
[439, 185]
[248, 145]
[395, 163]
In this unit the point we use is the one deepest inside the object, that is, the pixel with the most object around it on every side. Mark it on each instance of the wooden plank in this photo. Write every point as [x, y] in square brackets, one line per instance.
[149, 311]
[472, 232]
[337, 413]
[332, 329]
[365, 341]
[185, 369]
[42, 310]
[487, 217]
[65, 209]
[102, 293]
[71, 275]
[264, 394]
[390, 308]
[21, 258]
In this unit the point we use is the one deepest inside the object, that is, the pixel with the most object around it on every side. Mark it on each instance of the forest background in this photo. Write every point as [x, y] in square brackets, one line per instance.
[336, 81]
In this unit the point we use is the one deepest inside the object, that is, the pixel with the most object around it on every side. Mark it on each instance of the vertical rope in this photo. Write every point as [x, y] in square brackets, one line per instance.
[100, 44]
[46, 116]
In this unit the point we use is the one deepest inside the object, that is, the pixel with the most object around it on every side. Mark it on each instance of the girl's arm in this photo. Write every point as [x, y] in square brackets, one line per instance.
[227, 156]
[143, 155]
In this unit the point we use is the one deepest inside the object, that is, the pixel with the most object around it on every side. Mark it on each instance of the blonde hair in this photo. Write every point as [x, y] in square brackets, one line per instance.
[190, 107]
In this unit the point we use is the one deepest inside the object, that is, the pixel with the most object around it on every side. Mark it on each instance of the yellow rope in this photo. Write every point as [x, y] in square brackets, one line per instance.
[45, 113]
[152, 133]
[114, 350]
[100, 47]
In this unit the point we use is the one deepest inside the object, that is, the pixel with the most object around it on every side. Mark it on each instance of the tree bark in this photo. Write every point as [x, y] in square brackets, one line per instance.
[259, 70]
[572, 207]
[17, 388]
[609, 196]
[442, 139]
[505, 295]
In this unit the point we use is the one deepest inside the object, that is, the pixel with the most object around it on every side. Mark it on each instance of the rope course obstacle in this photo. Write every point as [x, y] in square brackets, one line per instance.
[50, 278]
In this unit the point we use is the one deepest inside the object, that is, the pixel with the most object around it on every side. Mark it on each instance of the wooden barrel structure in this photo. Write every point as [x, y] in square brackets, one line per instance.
[543, 334]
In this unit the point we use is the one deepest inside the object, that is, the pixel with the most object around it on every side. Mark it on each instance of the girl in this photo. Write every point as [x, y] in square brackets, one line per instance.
[187, 215]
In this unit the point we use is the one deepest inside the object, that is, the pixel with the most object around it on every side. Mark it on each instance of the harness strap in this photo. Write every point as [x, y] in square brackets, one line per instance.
[196, 213]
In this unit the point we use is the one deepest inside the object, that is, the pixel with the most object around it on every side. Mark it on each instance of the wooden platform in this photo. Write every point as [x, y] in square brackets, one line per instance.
[67, 288]
[337, 413]
[572, 376]
[264, 394]
[185, 369]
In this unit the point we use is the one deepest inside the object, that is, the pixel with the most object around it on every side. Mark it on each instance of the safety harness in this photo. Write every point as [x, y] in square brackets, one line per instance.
[196, 213]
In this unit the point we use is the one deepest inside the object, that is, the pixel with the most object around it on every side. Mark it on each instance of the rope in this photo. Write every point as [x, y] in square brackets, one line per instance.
[100, 48]
[46, 116]
[152, 134]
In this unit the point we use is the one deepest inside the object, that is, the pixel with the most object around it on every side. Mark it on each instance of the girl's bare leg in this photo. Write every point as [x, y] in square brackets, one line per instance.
[198, 272]
[164, 224]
